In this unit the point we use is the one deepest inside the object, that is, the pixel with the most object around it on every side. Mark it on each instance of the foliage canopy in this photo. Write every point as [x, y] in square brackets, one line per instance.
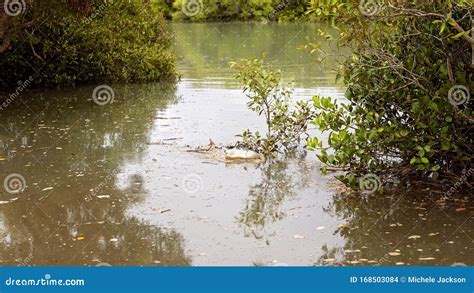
[409, 111]
[77, 42]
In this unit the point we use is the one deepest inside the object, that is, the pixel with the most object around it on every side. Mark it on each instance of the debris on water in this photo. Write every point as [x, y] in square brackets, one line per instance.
[226, 153]
[354, 262]
[372, 261]
[113, 240]
[426, 258]
[205, 149]
[47, 188]
[103, 196]
[400, 264]
[414, 237]
[239, 154]
[396, 225]
[394, 253]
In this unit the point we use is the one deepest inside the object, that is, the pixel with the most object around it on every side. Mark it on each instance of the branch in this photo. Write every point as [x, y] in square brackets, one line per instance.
[445, 18]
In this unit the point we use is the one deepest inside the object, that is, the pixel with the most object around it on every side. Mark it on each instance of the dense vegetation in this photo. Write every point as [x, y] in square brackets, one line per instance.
[84, 41]
[410, 79]
[227, 10]
[409, 113]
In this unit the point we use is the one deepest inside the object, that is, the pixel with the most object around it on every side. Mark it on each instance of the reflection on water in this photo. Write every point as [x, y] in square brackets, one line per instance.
[65, 147]
[402, 228]
[205, 50]
[264, 203]
[265, 198]
[116, 185]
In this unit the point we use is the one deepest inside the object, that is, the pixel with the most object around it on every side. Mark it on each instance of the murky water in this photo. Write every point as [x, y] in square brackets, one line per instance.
[115, 184]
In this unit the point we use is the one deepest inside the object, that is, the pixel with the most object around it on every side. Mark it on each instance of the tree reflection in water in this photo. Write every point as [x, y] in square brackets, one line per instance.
[401, 227]
[66, 147]
[264, 204]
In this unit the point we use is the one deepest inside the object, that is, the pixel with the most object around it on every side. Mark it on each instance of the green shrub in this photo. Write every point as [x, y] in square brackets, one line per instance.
[228, 10]
[119, 41]
[286, 123]
[408, 112]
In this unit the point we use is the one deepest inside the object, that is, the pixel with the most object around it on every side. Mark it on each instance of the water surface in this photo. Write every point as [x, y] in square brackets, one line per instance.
[116, 185]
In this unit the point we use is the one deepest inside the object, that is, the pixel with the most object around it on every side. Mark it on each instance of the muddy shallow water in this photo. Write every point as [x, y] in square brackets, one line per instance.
[115, 184]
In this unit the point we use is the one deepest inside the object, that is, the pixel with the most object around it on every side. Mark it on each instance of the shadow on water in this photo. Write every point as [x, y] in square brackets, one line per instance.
[69, 152]
[401, 228]
[263, 205]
